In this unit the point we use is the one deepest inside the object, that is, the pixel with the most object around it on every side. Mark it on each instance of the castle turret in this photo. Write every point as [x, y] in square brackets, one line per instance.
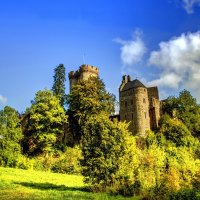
[84, 72]
[139, 105]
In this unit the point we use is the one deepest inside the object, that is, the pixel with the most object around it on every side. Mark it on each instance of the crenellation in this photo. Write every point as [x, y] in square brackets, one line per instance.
[83, 73]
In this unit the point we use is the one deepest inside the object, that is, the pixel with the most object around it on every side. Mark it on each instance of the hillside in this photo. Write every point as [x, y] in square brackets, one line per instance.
[18, 184]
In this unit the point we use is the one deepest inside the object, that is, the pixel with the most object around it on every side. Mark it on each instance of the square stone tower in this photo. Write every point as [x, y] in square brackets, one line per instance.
[139, 105]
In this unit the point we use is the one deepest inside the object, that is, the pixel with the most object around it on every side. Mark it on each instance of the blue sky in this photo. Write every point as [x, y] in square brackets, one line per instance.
[157, 41]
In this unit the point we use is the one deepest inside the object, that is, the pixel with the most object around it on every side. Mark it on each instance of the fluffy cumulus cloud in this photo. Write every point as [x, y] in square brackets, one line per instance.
[179, 62]
[3, 99]
[188, 5]
[132, 51]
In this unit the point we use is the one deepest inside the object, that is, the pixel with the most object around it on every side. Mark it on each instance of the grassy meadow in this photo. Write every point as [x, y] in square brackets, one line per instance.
[27, 184]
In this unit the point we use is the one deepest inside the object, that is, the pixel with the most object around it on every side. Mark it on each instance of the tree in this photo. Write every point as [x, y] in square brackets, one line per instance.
[175, 131]
[59, 83]
[43, 124]
[87, 97]
[11, 135]
[186, 109]
[108, 154]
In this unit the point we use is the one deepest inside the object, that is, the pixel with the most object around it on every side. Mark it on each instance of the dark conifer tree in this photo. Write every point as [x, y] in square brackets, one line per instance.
[59, 83]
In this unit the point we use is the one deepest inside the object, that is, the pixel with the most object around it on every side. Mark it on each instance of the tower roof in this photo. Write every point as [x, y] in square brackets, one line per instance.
[133, 84]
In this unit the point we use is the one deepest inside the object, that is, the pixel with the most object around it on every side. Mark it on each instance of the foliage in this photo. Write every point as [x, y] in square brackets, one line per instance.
[68, 162]
[59, 84]
[87, 97]
[11, 135]
[43, 124]
[186, 109]
[175, 131]
[107, 153]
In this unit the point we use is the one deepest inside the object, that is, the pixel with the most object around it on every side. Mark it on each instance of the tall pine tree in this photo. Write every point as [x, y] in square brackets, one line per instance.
[59, 83]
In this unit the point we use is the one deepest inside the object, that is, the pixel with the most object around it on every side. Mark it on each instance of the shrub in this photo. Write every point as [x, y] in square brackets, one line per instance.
[68, 162]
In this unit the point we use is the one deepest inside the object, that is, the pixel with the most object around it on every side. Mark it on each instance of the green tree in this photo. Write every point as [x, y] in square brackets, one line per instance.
[175, 131]
[186, 109]
[43, 124]
[87, 97]
[108, 154]
[59, 83]
[11, 135]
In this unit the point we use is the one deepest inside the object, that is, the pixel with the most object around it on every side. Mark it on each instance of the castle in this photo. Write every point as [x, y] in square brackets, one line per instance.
[139, 104]
[84, 72]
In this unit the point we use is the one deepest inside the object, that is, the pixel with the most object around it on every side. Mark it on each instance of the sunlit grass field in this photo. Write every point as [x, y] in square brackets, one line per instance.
[27, 184]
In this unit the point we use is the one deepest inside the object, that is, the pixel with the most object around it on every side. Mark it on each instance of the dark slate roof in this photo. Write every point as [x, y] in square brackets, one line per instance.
[133, 84]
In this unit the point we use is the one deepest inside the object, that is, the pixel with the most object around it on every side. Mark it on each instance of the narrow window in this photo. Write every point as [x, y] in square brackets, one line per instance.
[131, 102]
[144, 100]
[125, 117]
[126, 104]
[145, 115]
[132, 116]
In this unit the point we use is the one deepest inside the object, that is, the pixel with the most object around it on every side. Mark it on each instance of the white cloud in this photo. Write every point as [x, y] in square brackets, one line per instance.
[132, 51]
[171, 80]
[179, 62]
[189, 4]
[3, 100]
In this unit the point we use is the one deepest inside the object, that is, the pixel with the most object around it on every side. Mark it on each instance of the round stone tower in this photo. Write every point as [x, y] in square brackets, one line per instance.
[84, 72]
[134, 105]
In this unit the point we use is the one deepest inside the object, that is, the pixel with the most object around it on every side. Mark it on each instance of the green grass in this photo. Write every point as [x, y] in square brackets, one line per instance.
[18, 184]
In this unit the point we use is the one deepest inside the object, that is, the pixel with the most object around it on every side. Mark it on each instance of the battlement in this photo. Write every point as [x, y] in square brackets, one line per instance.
[83, 68]
[88, 68]
[83, 73]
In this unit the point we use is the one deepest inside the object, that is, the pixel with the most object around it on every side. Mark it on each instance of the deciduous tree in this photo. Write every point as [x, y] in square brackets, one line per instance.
[11, 135]
[43, 124]
[88, 97]
[186, 109]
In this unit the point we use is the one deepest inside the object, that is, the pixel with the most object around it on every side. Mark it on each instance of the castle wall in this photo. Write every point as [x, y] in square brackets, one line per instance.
[140, 106]
[134, 108]
[84, 72]
[154, 107]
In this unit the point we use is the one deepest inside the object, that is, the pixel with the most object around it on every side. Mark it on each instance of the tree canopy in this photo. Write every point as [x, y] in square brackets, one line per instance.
[108, 149]
[11, 135]
[43, 123]
[59, 83]
[88, 97]
[186, 109]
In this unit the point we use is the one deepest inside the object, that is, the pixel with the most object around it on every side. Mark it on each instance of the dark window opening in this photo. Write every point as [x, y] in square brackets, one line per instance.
[131, 102]
[126, 104]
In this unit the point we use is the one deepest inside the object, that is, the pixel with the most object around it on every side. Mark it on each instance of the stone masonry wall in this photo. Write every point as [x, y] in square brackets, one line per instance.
[134, 108]
[84, 72]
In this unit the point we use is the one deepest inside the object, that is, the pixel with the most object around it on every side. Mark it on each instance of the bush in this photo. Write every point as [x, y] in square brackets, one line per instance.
[184, 194]
[68, 162]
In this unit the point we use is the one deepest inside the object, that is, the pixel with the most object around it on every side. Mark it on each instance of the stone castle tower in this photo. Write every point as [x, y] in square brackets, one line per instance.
[139, 105]
[84, 72]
